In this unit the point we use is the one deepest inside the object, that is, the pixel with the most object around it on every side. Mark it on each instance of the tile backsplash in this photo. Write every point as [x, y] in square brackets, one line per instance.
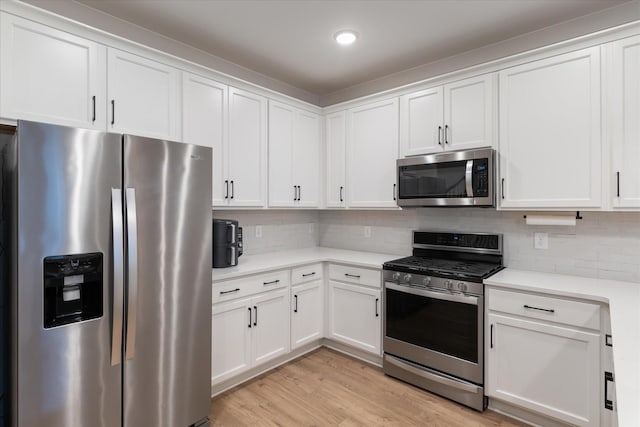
[601, 245]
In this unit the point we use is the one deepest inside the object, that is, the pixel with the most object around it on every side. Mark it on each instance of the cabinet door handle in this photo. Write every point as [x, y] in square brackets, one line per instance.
[226, 188]
[377, 314]
[113, 112]
[491, 337]
[352, 275]
[93, 101]
[229, 292]
[232, 190]
[618, 184]
[608, 377]
[439, 135]
[295, 297]
[249, 308]
[341, 189]
[394, 191]
[309, 274]
[299, 193]
[502, 188]
[548, 310]
[255, 315]
[446, 132]
[295, 193]
[271, 282]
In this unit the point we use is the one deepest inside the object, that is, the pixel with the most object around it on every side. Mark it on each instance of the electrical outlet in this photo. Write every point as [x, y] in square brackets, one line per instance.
[258, 231]
[311, 228]
[367, 231]
[541, 240]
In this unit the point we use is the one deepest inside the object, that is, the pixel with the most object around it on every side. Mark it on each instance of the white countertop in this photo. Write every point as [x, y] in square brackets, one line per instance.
[624, 304]
[253, 264]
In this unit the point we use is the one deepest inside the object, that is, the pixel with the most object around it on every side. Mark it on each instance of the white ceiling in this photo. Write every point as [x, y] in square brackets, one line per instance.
[291, 41]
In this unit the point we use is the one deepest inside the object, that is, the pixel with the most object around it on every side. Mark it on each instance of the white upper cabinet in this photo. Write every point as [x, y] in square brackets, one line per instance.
[294, 156]
[455, 116]
[50, 76]
[142, 96]
[336, 134]
[624, 78]
[550, 143]
[372, 146]
[204, 122]
[246, 180]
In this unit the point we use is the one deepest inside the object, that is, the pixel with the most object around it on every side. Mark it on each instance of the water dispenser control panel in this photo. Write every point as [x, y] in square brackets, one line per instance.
[72, 288]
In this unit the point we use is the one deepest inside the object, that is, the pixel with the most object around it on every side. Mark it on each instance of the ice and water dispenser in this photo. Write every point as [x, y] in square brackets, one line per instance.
[72, 288]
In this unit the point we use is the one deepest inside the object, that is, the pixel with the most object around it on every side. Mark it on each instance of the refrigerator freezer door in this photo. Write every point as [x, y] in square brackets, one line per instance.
[64, 373]
[167, 378]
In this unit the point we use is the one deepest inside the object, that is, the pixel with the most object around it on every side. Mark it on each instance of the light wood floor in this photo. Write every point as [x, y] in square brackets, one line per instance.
[327, 388]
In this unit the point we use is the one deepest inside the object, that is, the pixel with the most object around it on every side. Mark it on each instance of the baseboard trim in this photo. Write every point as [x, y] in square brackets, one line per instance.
[524, 415]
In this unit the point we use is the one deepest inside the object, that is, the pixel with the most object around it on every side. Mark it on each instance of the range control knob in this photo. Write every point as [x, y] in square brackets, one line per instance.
[407, 277]
[426, 281]
[395, 276]
[462, 286]
[448, 284]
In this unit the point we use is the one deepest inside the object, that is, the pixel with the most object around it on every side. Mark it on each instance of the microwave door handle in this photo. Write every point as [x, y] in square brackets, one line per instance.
[468, 175]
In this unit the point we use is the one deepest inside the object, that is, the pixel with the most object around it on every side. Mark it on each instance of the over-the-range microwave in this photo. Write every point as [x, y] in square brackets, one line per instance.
[455, 178]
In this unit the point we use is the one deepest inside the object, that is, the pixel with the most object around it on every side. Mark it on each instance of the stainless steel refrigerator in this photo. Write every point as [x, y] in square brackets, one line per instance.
[106, 279]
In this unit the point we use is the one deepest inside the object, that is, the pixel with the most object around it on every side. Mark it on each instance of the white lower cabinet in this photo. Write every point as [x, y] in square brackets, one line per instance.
[354, 316]
[249, 331]
[544, 355]
[306, 313]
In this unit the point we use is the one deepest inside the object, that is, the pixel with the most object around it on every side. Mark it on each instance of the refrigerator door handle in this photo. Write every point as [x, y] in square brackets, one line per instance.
[118, 277]
[132, 272]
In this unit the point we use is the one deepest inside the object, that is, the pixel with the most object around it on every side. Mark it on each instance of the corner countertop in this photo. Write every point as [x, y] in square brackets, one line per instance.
[624, 305]
[254, 264]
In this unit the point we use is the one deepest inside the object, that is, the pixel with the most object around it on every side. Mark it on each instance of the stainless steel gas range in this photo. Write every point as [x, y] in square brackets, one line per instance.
[434, 313]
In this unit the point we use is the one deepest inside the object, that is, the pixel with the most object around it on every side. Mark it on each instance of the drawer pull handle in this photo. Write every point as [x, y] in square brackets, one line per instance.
[229, 292]
[548, 310]
[271, 282]
[309, 274]
[355, 276]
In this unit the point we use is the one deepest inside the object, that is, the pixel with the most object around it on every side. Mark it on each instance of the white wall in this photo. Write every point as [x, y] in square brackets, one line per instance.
[602, 245]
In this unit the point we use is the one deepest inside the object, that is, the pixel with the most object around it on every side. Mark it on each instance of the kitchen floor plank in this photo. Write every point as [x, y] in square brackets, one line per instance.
[328, 388]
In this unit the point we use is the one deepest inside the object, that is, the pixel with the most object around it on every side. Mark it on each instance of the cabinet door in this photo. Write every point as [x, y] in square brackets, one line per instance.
[550, 132]
[354, 316]
[469, 113]
[306, 158]
[50, 76]
[372, 152]
[231, 339]
[143, 96]
[336, 133]
[247, 149]
[544, 368]
[421, 122]
[625, 127]
[270, 325]
[204, 116]
[306, 313]
[281, 140]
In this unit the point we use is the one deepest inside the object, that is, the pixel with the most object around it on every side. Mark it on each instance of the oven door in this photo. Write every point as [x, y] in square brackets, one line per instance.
[439, 330]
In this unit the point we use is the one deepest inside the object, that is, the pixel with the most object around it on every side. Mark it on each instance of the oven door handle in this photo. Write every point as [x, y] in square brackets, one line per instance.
[470, 388]
[464, 299]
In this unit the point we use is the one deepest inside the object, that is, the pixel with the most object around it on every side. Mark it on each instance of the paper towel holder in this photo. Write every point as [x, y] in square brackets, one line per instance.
[578, 216]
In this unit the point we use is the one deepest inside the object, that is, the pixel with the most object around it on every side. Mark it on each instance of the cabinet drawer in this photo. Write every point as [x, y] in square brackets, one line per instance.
[306, 273]
[557, 310]
[357, 275]
[250, 285]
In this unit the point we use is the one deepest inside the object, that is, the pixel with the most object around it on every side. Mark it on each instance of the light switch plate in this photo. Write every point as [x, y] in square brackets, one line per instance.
[258, 231]
[541, 240]
[367, 231]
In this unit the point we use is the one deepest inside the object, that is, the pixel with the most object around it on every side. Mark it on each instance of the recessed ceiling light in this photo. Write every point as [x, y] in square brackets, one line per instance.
[345, 37]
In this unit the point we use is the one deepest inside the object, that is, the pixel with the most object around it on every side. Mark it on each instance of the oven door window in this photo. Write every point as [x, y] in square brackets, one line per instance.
[435, 180]
[444, 326]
